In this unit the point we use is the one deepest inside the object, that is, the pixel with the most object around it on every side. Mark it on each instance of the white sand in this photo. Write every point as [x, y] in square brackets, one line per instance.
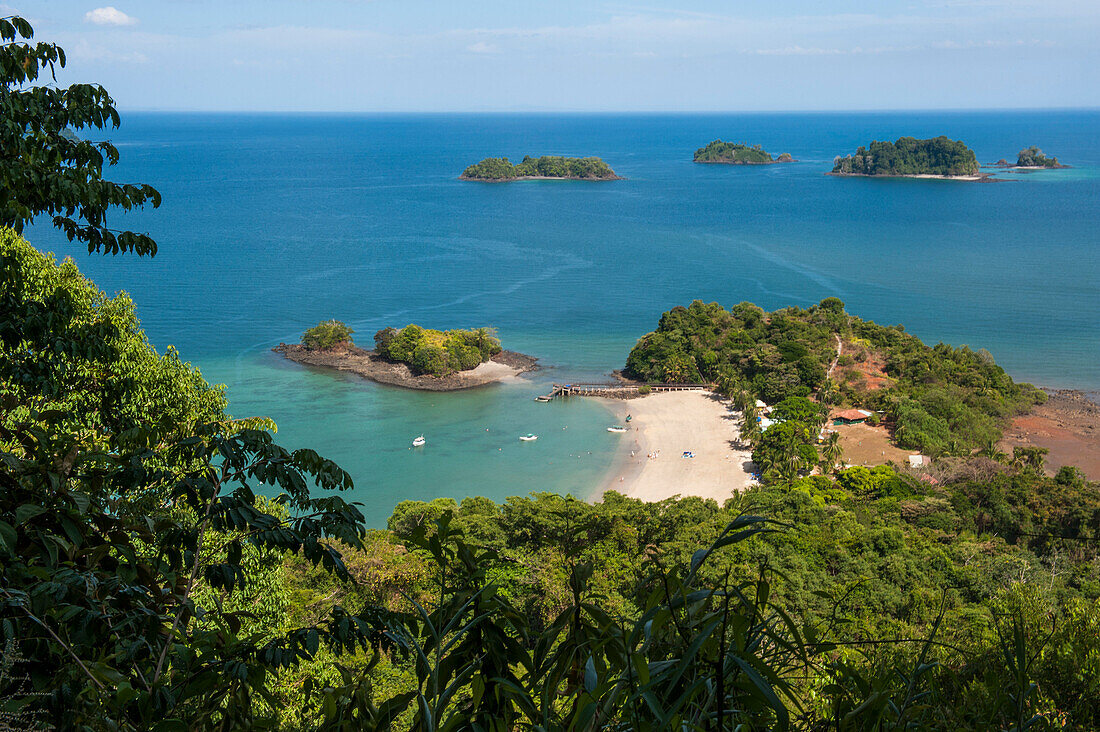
[672, 422]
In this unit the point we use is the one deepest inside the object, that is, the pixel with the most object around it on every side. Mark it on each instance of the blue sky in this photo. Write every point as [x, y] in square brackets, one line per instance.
[517, 55]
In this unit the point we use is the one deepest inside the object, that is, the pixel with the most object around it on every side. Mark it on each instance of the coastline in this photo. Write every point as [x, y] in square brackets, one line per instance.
[537, 177]
[665, 425]
[919, 176]
[743, 162]
[1067, 424]
[367, 364]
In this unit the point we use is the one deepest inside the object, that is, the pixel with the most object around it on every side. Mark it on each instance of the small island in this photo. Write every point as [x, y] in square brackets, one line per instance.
[909, 157]
[1033, 157]
[734, 153]
[548, 167]
[412, 357]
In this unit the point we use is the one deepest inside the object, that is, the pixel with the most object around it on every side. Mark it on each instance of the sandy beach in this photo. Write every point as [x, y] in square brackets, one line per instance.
[662, 427]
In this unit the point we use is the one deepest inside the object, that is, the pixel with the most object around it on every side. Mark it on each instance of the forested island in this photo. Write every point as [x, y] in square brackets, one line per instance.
[412, 357]
[732, 153]
[1033, 157]
[545, 167]
[938, 157]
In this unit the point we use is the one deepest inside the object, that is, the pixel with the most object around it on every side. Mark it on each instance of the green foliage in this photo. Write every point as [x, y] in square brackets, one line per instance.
[135, 621]
[942, 400]
[910, 156]
[736, 154]
[435, 352]
[47, 169]
[69, 350]
[547, 166]
[786, 451]
[326, 334]
[1033, 157]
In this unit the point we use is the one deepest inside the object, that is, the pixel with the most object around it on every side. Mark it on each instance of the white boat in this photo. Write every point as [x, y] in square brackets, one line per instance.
[419, 441]
[528, 437]
[617, 428]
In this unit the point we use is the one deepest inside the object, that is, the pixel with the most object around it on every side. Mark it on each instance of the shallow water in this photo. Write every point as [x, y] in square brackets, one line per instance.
[272, 223]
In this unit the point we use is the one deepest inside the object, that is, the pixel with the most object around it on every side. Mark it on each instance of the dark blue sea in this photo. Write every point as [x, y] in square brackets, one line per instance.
[271, 223]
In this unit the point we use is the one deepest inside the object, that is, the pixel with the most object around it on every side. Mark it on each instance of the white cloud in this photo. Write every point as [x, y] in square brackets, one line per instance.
[109, 16]
[483, 47]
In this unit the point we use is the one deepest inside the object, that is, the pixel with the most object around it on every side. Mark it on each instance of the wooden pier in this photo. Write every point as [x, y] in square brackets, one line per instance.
[612, 389]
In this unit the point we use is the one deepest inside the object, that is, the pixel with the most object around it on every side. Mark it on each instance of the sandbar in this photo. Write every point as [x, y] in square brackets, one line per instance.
[665, 425]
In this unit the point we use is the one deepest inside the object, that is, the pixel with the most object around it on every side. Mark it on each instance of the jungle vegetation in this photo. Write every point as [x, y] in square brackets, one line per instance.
[910, 156]
[737, 154]
[165, 566]
[326, 334]
[547, 166]
[436, 352]
[941, 399]
[1033, 157]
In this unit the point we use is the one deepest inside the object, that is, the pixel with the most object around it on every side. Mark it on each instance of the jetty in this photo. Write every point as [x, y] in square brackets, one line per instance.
[613, 389]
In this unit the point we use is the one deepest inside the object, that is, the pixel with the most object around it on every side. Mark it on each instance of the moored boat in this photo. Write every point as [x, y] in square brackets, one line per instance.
[616, 428]
[419, 441]
[528, 437]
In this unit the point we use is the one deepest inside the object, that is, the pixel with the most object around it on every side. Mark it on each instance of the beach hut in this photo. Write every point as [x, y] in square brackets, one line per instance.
[851, 416]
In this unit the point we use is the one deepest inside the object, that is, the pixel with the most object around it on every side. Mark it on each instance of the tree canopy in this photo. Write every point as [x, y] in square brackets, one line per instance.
[1033, 157]
[547, 166]
[910, 156]
[326, 334]
[45, 166]
[737, 154]
[437, 352]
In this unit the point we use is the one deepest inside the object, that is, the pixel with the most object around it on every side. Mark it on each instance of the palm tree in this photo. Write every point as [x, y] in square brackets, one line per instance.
[831, 453]
[993, 452]
[790, 465]
[750, 433]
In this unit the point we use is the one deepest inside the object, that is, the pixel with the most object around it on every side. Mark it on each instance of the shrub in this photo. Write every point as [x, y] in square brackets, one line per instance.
[326, 335]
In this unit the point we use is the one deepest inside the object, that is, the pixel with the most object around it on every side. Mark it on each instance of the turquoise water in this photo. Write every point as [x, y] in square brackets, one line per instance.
[272, 223]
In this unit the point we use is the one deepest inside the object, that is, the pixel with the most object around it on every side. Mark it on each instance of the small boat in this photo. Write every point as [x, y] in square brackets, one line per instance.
[528, 437]
[419, 441]
[617, 428]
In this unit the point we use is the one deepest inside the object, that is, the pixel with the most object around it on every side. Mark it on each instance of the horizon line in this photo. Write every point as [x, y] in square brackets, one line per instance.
[884, 110]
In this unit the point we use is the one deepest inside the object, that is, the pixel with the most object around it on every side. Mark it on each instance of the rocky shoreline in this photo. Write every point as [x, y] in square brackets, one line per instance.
[1067, 424]
[593, 179]
[744, 162]
[977, 177]
[369, 365]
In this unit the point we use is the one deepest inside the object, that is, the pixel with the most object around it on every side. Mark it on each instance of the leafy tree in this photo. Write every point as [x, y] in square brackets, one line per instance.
[1033, 157]
[45, 168]
[435, 352]
[326, 334]
[831, 452]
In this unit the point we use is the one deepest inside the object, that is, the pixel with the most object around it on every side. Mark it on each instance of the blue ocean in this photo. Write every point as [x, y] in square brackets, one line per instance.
[271, 223]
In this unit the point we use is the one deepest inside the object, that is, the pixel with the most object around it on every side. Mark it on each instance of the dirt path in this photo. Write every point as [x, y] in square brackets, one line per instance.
[839, 350]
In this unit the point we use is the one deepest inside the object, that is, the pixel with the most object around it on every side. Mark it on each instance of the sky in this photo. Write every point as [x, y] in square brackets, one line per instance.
[577, 55]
